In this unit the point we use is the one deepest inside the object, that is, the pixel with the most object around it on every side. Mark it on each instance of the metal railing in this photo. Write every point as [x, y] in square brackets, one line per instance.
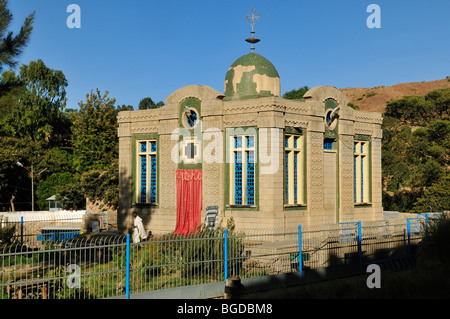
[106, 266]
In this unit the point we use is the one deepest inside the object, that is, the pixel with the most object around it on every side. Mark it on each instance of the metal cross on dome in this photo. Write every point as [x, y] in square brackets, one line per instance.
[251, 18]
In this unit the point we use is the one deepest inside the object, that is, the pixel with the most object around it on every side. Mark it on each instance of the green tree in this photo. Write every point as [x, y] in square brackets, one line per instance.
[415, 148]
[11, 88]
[62, 184]
[15, 182]
[412, 110]
[147, 103]
[94, 133]
[11, 46]
[418, 110]
[436, 198]
[95, 148]
[440, 98]
[38, 112]
[124, 107]
[101, 185]
[296, 94]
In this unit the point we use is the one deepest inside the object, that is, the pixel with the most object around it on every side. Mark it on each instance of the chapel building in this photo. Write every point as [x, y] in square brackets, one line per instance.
[249, 154]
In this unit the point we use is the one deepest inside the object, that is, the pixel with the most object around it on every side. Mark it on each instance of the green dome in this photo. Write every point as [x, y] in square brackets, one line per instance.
[251, 76]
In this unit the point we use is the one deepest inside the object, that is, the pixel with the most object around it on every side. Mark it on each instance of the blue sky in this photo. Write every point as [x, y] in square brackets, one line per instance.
[136, 48]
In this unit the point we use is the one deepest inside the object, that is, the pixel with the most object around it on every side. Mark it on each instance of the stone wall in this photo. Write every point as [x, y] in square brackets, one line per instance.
[272, 113]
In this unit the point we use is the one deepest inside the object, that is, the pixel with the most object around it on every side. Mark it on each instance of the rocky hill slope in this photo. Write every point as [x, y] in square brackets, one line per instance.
[374, 99]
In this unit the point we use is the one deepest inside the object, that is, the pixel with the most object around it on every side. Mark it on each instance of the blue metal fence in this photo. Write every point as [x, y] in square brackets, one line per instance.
[175, 261]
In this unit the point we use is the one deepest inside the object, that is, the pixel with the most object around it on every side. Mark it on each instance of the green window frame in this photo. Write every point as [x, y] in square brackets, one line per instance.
[294, 170]
[243, 170]
[361, 172]
[146, 163]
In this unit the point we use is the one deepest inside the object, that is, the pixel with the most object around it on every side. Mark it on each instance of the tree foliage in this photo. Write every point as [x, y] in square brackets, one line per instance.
[416, 150]
[11, 46]
[296, 94]
[95, 148]
[102, 185]
[36, 114]
[11, 88]
[418, 110]
[14, 182]
[435, 198]
[147, 103]
[61, 185]
[94, 133]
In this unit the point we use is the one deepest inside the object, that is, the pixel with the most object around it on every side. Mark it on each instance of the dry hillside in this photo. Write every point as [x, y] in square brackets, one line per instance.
[374, 99]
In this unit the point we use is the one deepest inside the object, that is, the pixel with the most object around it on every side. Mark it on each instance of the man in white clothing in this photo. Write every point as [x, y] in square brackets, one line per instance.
[139, 233]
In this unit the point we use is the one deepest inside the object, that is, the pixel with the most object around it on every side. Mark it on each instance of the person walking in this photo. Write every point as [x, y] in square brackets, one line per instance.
[139, 233]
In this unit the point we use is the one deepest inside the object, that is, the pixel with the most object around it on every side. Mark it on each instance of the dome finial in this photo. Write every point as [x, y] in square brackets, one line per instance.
[251, 18]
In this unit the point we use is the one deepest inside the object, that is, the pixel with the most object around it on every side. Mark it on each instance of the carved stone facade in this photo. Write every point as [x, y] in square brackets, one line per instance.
[329, 171]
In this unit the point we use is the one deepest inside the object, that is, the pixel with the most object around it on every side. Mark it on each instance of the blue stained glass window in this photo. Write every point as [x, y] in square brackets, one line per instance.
[295, 177]
[237, 142]
[143, 147]
[286, 168]
[143, 186]
[295, 142]
[250, 178]
[328, 144]
[238, 178]
[286, 141]
[146, 185]
[153, 179]
[250, 141]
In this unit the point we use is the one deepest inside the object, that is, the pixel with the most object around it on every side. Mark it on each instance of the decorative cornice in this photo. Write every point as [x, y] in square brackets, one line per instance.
[295, 123]
[144, 129]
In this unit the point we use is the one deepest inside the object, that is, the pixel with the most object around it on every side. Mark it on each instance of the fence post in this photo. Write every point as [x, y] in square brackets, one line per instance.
[127, 279]
[300, 258]
[21, 230]
[408, 230]
[225, 254]
[360, 247]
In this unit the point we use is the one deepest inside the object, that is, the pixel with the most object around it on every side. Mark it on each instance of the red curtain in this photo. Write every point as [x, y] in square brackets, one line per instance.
[189, 200]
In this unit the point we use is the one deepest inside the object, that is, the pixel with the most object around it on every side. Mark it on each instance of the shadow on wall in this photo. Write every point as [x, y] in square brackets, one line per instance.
[287, 285]
[127, 205]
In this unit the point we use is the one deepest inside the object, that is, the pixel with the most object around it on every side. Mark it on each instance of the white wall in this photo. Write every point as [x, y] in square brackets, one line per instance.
[60, 216]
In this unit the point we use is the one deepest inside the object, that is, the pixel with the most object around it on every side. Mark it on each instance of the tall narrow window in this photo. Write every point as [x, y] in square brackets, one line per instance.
[293, 166]
[361, 172]
[146, 172]
[243, 170]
